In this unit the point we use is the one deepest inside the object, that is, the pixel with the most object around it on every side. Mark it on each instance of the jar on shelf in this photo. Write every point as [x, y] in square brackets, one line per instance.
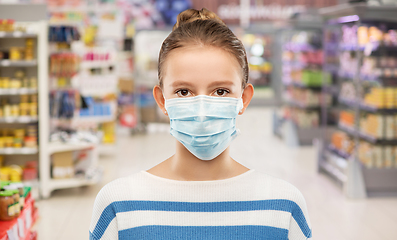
[33, 109]
[15, 110]
[23, 109]
[33, 82]
[2, 142]
[9, 142]
[15, 83]
[15, 53]
[6, 82]
[30, 142]
[7, 207]
[15, 173]
[24, 98]
[7, 110]
[18, 142]
[17, 188]
[25, 82]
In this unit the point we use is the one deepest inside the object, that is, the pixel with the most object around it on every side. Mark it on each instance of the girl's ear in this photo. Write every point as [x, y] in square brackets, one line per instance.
[159, 97]
[248, 93]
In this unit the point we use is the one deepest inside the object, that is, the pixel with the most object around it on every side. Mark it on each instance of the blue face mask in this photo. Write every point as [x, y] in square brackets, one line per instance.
[204, 125]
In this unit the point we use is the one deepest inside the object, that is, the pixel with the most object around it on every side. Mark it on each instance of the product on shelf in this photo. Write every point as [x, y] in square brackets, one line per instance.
[63, 34]
[302, 118]
[7, 203]
[17, 53]
[95, 108]
[348, 91]
[342, 142]
[379, 126]
[307, 97]
[382, 97]
[17, 138]
[377, 155]
[70, 164]
[373, 34]
[258, 48]
[62, 165]
[7, 25]
[109, 132]
[30, 171]
[14, 198]
[26, 106]
[347, 118]
[64, 64]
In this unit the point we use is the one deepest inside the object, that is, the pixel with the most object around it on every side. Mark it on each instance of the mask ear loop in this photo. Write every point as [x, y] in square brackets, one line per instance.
[241, 97]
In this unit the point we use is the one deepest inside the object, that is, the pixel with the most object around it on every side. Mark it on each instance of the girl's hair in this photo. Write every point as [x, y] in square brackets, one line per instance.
[203, 28]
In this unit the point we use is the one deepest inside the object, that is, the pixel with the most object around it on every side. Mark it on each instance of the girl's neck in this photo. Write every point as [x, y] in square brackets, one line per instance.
[186, 167]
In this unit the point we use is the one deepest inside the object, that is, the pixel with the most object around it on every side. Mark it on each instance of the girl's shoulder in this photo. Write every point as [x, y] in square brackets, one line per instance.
[121, 188]
[269, 187]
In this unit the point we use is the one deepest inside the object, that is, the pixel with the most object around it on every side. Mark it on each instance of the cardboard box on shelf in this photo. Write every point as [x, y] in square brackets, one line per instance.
[62, 165]
[148, 114]
[126, 85]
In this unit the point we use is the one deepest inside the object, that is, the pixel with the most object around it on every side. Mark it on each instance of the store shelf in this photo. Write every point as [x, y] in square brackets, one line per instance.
[9, 63]
[302, 106]
[338, 152]
[22, 119]
[97, 64]
[17, 34]
[345, 13]
[367, 137]
[98, 93]
[66, 147]
[302, 85]
[96, 8]
[17, 91]
[366, 107]
[76, 181]
[299, 47]
[18, 151]
[71, 183]
[83, 120]
[333, 171]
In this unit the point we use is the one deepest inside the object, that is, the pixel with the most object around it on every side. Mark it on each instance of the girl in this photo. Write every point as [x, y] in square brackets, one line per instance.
[201, 192]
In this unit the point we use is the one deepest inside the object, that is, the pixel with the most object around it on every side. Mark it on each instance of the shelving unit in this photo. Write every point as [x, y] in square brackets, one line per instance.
[298, 121]
[362, 154]
[13, 94]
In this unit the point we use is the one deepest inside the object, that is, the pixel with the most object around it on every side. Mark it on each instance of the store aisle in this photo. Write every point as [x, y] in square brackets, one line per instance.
[66, 215]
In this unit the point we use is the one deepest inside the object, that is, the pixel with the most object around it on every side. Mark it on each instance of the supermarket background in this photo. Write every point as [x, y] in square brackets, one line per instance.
[76, 107]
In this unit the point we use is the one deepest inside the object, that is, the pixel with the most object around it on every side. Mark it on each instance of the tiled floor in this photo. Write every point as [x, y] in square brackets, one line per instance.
[66, 215]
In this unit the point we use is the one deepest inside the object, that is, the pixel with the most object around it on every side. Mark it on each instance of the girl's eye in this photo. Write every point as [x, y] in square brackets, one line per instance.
[221, 92]
[183, 93]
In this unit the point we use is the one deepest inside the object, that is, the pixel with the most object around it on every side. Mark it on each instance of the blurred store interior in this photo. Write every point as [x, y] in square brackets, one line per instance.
[77, 110]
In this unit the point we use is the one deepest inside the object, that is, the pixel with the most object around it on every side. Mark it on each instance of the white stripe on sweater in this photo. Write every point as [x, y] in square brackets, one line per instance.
[144, 218]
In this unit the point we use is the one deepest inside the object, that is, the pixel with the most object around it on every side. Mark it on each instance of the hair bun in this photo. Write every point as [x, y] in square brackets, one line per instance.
[192, 15]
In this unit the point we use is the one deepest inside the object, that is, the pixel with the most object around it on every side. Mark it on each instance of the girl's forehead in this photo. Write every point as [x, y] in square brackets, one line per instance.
[201, 64]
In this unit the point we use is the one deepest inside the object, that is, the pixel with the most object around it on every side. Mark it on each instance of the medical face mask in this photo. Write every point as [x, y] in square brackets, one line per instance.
[204, 125]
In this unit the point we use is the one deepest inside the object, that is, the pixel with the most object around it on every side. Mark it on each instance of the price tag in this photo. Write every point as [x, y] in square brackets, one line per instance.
[13, 233]
[5, 63]
[28, 218]
[21, 228]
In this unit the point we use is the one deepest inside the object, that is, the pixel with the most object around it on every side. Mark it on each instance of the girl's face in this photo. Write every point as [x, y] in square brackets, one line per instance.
[200, 70]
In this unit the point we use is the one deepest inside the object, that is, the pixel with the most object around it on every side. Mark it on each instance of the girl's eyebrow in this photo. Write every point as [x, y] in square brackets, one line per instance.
[221, 83]
[180, 83]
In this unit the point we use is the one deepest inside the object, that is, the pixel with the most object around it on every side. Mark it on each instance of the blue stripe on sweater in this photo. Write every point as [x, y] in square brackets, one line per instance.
[205, 232]
[127, 206]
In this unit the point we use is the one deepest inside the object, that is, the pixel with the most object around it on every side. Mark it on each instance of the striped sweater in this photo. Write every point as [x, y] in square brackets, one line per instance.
[249, 206]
